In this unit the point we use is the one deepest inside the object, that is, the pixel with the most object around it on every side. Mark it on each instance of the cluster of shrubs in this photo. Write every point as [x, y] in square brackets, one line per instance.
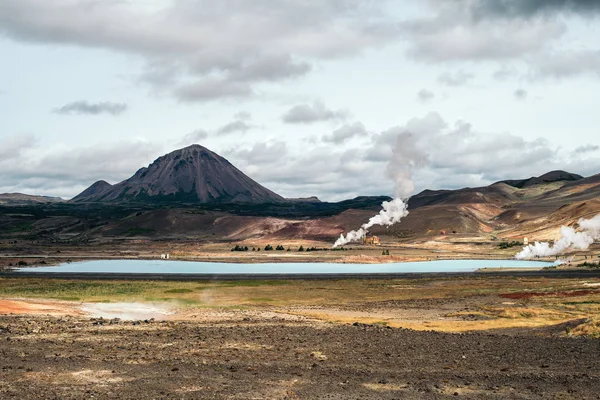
[508, 245]
[385, 253]
[268, 247]
[340, 249]
[240, 248]
[590, 265]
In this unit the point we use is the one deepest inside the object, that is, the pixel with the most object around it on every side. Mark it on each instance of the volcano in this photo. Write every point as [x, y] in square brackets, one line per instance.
[190, 175]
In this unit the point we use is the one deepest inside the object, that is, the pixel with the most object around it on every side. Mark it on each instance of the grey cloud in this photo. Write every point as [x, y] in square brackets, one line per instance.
[323, 171]
[243, 116]
[311, 113]
[588, 148]
[528, 8]
[83, 107]
[451, 33]
[425, 95]
[211, 89]
[467, 30]
[471, 31]
[504, 72]
[65, 171]
[194, 137]
[234, 126]
[462, 155]
[346, 132]
[520, 94]
[458, 78]
[14, 146]
[232, 44]
[565, 64]
[260, 154]
[270, 68]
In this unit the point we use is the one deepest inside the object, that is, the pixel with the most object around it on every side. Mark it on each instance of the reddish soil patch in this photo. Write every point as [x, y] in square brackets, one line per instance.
[36, 307]
[527, 295]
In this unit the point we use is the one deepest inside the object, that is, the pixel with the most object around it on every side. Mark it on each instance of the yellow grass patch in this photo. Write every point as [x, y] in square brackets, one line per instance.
[388, 387]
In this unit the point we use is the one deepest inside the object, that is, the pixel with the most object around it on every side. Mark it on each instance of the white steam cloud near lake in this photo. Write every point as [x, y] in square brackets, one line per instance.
[405, 156]
[570, 239]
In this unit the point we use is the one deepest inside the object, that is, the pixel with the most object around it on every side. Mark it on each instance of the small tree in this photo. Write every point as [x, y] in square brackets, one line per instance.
[301, 248]
[268, 247]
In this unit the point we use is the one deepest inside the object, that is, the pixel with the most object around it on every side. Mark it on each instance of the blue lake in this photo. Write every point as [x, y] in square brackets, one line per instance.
[193, 267]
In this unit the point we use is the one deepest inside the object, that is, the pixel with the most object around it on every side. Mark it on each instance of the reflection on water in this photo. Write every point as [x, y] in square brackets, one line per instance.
[191, 267]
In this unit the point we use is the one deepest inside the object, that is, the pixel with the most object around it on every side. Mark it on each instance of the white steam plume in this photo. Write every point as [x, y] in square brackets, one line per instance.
[405, 156]
[392, 212]
[569, 239]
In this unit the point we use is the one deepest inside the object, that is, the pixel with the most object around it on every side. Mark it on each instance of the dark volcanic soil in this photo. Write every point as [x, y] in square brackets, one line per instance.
[70, 358]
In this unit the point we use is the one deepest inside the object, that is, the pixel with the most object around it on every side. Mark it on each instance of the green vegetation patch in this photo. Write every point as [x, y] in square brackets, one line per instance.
[251, 283]
[508, 245]
[590, 265]
[19, 228]
[136, 231]
[179, 290]
[63, 289]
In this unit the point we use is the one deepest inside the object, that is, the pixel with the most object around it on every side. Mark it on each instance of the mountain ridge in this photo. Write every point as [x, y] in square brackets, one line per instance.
[22, 198]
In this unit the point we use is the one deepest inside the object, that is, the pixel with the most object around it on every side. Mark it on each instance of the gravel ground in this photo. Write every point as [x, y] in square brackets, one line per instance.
[74, 358]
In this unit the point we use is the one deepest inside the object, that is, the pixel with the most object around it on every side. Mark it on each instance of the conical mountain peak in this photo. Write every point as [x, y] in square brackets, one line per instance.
[193, 174]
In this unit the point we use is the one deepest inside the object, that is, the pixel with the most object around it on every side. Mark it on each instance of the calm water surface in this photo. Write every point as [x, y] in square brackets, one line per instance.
[192, 267]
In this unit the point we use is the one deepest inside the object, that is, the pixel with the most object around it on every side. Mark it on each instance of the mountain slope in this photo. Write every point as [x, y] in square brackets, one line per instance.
[530, 207]
[20, 198]
[549, 177]
[94, 190]
[192, 175]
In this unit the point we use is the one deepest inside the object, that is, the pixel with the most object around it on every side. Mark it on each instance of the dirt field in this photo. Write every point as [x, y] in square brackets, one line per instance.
[471, 337]
[258, 358]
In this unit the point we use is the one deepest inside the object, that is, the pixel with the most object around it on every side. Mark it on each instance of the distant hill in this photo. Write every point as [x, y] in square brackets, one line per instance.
[553, 176]
[311, 199]
[190, 175]
[92, 191]
[222, 204]
[535, 207]
[25, 199]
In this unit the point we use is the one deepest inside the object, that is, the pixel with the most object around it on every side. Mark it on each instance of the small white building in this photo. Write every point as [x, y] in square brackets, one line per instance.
[164, 256]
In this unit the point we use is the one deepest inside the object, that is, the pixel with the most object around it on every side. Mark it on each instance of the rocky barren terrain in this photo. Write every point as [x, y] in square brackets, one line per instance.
[255, 358]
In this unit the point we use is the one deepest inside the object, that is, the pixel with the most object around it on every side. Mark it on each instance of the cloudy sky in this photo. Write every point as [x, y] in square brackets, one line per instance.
[306, 97]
